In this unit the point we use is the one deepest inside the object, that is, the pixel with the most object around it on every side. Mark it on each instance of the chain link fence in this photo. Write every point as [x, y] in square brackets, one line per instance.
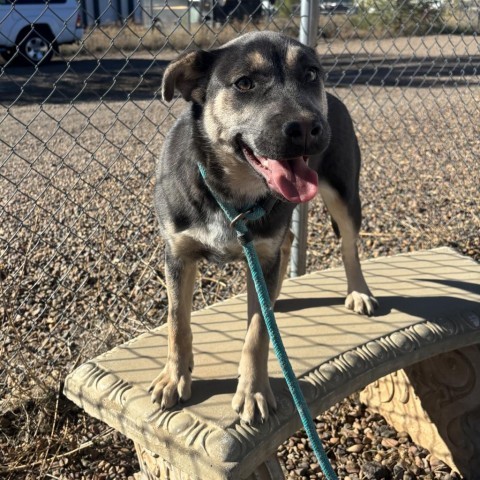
[81, 265]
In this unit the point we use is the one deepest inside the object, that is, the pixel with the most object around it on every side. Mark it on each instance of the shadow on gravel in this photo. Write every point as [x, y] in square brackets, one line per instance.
[89, 80]
[417, 72]
[81, 80]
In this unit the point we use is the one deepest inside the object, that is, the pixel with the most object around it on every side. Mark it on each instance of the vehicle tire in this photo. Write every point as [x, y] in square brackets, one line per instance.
[35, 49]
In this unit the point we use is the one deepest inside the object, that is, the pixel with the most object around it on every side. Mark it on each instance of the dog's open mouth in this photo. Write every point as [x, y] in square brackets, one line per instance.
[291, 178]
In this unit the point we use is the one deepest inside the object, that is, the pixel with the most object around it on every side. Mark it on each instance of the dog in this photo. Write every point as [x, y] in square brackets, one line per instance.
[263, 127]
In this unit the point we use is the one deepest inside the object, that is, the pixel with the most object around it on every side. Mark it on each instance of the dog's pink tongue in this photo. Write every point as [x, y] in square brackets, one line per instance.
[293, 179]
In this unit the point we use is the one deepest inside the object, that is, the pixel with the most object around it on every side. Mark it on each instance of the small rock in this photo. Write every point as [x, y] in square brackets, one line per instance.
[389, 442]
[352, 467]
[301, 471]
[419, 462]
[413, 450]
[386, 431]
[374, 471]
[437, 464]
[398, 472]
[357, 448]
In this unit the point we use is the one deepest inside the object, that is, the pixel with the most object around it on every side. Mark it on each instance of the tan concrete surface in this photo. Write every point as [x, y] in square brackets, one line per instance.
[429, 303]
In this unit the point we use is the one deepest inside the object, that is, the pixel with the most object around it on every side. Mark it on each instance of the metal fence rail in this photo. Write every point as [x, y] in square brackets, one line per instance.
[80, 258]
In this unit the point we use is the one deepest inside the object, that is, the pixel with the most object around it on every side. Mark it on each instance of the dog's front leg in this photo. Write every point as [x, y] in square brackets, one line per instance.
[174, 382]
[359, 298]
[253, 391]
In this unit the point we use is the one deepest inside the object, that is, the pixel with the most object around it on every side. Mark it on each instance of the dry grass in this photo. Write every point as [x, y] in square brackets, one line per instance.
[131, 37]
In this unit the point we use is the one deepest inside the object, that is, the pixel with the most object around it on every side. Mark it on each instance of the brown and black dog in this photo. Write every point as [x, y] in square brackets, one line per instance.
[263, 127]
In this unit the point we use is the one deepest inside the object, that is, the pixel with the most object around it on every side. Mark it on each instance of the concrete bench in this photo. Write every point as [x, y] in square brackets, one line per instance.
[428, 324]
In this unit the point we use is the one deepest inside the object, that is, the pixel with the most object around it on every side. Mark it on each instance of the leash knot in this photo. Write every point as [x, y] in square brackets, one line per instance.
[252, 213]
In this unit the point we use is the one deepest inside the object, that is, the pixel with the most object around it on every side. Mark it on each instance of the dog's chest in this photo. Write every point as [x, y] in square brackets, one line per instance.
[215, 240]
[217, 236]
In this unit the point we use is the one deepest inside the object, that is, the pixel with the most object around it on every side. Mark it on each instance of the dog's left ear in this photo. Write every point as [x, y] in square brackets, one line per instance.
[189, 75]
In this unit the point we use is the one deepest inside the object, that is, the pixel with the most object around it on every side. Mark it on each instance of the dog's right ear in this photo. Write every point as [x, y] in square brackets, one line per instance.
[189, 75]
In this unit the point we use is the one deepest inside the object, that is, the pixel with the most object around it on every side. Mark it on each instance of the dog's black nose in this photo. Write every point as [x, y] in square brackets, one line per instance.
[302, 132]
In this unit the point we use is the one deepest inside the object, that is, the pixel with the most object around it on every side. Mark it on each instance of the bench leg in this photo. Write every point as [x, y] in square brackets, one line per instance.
[270, 470]
[437, 401]
[153, 467]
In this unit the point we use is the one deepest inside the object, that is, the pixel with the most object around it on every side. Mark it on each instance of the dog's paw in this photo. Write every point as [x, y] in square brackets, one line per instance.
[171, 386]
[363, 303]
[251, 399]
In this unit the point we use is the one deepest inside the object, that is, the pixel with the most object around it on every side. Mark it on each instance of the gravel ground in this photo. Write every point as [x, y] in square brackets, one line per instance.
[81, 263]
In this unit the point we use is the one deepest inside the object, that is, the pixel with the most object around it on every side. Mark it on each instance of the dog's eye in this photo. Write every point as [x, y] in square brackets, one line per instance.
[243, 84]
[311, 75]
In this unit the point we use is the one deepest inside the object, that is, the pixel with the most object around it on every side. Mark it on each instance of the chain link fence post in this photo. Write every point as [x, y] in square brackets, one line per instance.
[308, 36]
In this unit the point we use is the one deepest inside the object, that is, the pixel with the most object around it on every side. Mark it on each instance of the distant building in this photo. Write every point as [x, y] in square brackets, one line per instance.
[104, 12]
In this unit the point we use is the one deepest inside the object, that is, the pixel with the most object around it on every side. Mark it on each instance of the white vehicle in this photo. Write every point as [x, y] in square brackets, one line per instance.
[32, 30]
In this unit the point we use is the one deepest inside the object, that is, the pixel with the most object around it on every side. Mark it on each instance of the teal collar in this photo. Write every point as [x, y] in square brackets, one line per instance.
[237, 218]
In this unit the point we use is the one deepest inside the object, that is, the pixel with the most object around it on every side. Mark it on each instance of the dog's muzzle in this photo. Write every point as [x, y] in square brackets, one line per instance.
[291, 178]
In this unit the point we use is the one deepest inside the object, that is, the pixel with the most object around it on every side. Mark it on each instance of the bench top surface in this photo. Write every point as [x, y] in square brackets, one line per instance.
[429, 303]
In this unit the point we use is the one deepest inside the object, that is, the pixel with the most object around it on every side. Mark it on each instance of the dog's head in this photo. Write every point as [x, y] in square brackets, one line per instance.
[264, 109]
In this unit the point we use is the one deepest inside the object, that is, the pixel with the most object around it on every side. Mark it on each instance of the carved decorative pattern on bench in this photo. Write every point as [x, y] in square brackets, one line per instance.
[437, 402]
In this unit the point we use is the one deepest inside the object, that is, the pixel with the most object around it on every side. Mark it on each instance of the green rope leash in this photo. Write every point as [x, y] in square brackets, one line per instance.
[238, 222]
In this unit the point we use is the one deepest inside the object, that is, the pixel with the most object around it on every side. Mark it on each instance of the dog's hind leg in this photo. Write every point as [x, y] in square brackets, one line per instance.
[359, 298]
[253, 391]
[174, 382]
